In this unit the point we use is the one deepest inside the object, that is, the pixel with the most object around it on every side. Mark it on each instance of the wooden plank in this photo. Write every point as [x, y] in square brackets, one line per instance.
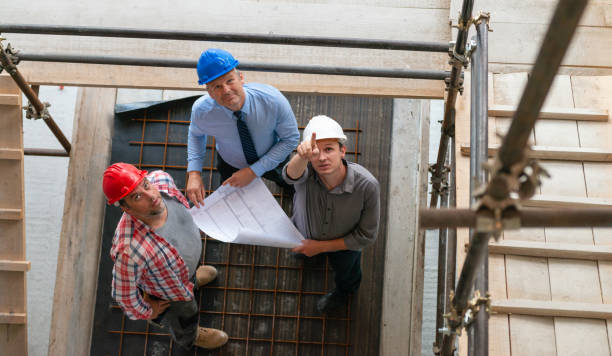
[43, 73]
[75, 286]
[556, 153]
[11, 153]
[14, 339]
[557, 201]
[560, 250]
[11, 214]
[7, 265]
[13, 318]
[548, 308]
[555, 113]
[9, 99]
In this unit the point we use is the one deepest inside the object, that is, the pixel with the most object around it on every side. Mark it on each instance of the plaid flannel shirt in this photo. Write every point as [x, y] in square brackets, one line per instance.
[146, 261]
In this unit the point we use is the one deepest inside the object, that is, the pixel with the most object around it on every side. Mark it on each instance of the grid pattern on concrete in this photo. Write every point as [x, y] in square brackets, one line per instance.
[264, 298]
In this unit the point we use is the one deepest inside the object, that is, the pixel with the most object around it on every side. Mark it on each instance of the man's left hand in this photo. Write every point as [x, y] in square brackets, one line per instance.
[241, 178]
[310, 247]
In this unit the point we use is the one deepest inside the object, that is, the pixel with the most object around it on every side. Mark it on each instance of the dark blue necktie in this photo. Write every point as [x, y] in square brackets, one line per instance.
[245, 139]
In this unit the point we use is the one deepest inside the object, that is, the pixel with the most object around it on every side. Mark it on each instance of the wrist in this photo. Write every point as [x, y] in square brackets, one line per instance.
[194, 173]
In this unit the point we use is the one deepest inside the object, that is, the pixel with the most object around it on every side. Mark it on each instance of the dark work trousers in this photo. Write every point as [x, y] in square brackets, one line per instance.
[180, 319]
[276, 175]
[347, 267]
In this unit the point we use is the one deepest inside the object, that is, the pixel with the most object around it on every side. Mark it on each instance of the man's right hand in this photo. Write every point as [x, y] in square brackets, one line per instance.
[308, 150]
[195, 188]
[158, 306]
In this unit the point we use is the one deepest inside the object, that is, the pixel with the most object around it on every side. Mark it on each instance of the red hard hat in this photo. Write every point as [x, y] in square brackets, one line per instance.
[120, 179]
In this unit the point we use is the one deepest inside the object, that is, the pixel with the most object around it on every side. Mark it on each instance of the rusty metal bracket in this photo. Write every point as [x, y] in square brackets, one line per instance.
[12, 55]
[483, 17]
[32, 113]
[439, 183]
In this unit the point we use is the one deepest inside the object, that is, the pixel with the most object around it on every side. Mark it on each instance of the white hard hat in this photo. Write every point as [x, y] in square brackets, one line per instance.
[324, 127]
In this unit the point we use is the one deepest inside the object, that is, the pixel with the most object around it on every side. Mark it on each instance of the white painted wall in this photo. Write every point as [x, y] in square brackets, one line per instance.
[45, 184]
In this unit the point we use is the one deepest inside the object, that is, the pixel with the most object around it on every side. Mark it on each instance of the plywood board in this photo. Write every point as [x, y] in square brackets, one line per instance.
[535, 336]
[554, 113]
[554, 309]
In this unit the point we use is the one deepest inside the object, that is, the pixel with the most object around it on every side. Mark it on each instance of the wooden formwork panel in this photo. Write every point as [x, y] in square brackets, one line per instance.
[559, 285]
[13, 322]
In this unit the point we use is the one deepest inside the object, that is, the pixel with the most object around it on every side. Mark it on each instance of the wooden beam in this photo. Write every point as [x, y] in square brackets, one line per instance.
[11, 214]
[549, 308]
[556, 153]
[13, 318]
[548, 249]
[43, 73]
[16, 266]
[11, 153]
[554, 113]
[558, 201]
[79, 251]
[9, 99]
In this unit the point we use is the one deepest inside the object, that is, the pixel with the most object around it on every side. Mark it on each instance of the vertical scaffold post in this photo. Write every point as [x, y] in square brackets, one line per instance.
[478, 333]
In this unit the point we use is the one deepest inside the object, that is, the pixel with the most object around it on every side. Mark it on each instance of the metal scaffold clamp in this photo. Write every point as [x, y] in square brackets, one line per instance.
[32, 113]
[8, 58]
[483, 17]
[499, 201]
[439, 179]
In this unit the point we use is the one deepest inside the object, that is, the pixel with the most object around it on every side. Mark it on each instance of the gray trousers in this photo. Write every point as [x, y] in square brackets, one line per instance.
[180, 319]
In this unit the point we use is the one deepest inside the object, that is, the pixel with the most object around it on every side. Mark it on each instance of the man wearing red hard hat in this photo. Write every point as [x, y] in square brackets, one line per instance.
[156, 252]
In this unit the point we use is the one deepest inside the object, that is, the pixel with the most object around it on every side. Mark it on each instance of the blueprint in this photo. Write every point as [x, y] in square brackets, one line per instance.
[248, 215]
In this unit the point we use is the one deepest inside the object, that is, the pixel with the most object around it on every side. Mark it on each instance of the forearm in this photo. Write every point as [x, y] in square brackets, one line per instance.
[296, 167]
[333, 245]
[196, 149]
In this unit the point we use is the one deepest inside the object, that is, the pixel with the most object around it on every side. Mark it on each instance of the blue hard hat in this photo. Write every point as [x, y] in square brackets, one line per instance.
[213, 63]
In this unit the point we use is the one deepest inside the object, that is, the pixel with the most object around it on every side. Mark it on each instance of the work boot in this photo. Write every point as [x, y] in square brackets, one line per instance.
[331, 301]
[205, 274]
[210, 338]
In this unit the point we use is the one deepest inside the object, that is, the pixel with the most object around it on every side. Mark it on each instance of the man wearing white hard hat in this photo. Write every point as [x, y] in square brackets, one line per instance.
[336, 205]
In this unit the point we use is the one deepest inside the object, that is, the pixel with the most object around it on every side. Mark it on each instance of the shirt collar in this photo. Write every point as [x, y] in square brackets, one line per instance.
[347, 184]
[246, 107]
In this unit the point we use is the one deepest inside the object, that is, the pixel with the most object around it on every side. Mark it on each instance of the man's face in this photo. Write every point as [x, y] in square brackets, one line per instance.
[227, 90]
[145, 201]
[330, 156]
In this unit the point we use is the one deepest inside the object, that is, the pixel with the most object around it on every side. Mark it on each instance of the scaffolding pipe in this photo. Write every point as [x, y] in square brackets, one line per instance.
[529, 217]
[258, 67]
[453, 85]
[478, 332]
[442, 292]
[45, 152]
[40, 108]
[418, 46]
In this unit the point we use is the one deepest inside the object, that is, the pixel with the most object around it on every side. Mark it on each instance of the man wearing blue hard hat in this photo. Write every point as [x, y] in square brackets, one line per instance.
[254, 127]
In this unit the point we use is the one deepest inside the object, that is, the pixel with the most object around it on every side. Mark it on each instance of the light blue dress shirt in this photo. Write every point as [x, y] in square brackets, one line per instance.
[269, 118]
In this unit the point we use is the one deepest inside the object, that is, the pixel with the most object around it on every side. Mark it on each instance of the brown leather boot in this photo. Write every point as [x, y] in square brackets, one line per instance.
[205, 274]
[210, 338]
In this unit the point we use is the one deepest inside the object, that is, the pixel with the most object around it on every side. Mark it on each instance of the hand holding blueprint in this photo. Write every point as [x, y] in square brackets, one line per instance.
[248, 215]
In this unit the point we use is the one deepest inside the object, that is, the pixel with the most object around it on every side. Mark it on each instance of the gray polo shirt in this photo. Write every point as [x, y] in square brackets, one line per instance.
[350, 210]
